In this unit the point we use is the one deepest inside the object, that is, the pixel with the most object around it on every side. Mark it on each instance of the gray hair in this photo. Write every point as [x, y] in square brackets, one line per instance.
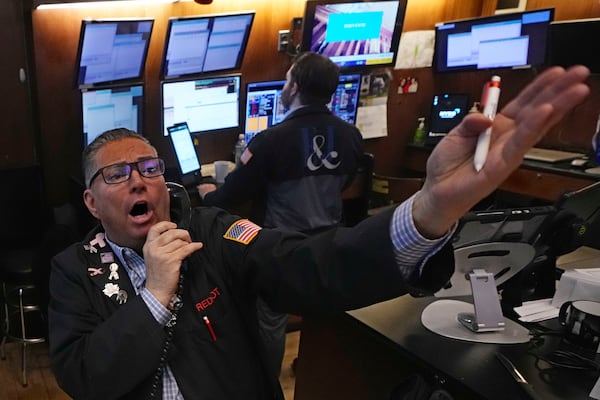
[88, 156]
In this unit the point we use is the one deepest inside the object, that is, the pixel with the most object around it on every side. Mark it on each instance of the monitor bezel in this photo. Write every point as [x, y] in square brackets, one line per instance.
[163, 66]
[439, 49]
[200, 78]
[125, 81]
[308, 22]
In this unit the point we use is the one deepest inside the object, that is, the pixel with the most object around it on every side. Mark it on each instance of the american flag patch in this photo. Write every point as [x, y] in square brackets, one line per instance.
[242, 231]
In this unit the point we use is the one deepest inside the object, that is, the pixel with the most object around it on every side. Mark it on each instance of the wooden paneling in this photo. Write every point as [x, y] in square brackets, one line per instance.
[56, 35]
[565, 10]
[543, 185]
[17, 145]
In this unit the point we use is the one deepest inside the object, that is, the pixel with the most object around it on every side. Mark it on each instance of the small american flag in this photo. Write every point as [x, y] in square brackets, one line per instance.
[242, 231]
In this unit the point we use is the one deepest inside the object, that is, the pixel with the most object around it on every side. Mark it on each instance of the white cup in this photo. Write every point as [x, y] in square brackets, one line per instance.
[221, 170]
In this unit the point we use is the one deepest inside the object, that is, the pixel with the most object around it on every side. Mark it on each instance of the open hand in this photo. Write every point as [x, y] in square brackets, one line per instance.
[453, 186]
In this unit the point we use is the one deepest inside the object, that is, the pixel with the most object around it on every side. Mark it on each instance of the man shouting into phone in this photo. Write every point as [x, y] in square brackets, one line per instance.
[113, 295]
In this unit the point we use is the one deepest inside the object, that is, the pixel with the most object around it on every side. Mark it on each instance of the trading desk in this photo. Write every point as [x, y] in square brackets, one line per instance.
[541, 180]
[364, 354]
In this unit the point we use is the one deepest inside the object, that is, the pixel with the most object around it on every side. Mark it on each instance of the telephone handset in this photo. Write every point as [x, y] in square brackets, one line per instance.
[180, 205]
[181, 213]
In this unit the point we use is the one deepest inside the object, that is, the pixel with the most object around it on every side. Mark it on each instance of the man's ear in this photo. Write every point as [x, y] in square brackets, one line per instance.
[90, 201]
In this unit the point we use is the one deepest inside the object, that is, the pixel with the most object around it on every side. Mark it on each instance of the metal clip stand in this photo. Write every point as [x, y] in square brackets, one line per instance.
[488, 313]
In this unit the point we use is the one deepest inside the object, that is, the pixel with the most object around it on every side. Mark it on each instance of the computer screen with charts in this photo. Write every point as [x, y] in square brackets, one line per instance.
[105, 109]
[112, 51]
[344, 102]
[263, 106]
[207, 43]
[206, 104]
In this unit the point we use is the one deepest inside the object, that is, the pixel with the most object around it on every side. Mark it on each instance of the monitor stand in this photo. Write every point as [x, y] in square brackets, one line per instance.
[482, 321]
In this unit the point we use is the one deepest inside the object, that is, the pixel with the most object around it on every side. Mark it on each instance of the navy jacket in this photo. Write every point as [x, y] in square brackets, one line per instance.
[297, 172]
[105, 344]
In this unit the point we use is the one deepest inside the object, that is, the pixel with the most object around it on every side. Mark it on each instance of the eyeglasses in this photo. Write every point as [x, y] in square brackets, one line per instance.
[117, 173]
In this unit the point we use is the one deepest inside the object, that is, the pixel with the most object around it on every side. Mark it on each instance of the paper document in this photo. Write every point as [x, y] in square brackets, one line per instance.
[537, 310]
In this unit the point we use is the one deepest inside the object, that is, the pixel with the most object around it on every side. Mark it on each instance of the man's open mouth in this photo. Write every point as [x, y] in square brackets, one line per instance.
[139, 209]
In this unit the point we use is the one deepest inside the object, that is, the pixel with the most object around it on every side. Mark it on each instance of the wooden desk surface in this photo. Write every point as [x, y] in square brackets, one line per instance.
[583, 257]
[535, 179]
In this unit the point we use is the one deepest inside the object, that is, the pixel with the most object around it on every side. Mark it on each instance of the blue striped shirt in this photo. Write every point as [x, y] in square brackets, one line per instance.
[411, 249]
[136, 269]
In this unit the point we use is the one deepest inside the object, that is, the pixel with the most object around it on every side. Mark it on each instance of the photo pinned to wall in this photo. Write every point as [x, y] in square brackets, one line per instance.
[415, 49]
[408, 84]
[371, 116]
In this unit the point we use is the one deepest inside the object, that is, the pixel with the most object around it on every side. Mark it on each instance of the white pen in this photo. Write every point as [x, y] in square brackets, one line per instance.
[489, 110]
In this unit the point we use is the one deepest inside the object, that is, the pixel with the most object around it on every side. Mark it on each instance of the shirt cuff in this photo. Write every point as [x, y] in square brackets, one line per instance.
[411, 249]
[160, 313]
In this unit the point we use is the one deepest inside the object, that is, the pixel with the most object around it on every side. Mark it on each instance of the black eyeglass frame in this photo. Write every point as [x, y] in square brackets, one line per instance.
[138, 165]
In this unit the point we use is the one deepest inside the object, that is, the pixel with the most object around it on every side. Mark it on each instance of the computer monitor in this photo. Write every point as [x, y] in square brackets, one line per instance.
[105, 109]
[185, 153]
[569, 43]
[447, 110]
[263, 106]
[207, 43]
[344, 102]
[206, 104]
[516, 40]
[112, 51]
[354, 33]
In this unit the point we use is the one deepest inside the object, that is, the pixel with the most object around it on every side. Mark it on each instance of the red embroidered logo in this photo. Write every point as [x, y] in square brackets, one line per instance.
[207, 302]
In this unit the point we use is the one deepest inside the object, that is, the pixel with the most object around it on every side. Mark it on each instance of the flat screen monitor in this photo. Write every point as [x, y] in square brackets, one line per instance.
[206, 104]
[185, 153]
[570, 43]
[263, 106]
[447, 110]
[344, 102]
[112, 51]
[354, 34]
[517, 40]
[207, 43]
[106, 109]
